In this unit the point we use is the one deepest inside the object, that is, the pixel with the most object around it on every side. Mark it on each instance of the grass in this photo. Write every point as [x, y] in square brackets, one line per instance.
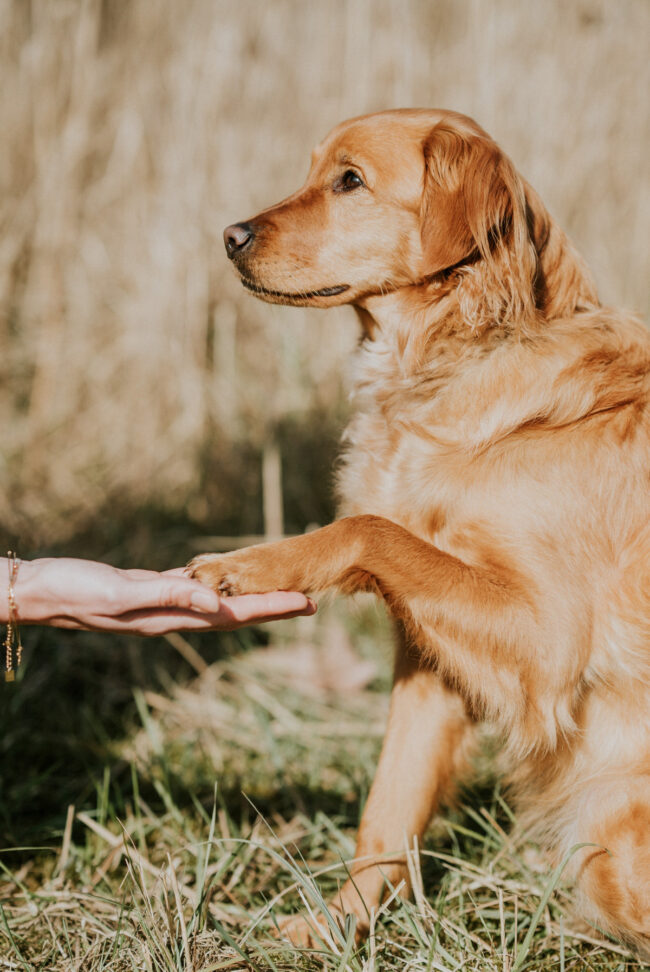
[168, 827]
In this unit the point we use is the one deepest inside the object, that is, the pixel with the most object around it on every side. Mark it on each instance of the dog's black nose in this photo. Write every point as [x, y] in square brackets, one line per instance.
[237, 237]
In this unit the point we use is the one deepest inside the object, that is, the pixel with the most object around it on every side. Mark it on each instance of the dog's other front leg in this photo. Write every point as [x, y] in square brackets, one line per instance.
[424, 750]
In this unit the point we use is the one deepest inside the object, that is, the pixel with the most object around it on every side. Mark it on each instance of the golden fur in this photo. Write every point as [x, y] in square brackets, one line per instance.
[495, 492]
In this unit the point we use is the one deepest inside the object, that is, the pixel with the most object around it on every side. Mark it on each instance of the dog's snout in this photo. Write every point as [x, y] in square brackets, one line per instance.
[237, 238]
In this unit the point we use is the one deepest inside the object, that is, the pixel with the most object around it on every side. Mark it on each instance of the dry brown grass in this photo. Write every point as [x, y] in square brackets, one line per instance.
[133, 132]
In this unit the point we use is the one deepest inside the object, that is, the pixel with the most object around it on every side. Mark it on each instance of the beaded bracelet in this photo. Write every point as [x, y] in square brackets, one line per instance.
[12, 639]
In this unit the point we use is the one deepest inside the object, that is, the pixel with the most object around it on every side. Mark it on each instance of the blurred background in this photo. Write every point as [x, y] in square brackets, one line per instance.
[145, 396]
[149, 403]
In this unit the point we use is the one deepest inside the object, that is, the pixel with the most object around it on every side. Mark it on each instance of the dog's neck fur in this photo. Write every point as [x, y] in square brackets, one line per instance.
[445, 319]
[442, 305]
[418, 338]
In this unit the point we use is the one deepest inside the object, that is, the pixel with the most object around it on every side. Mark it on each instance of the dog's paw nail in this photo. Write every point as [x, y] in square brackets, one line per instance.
[226, 588]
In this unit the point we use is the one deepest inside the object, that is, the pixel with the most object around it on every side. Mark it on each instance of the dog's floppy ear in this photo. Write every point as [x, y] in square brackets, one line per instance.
[474, 212]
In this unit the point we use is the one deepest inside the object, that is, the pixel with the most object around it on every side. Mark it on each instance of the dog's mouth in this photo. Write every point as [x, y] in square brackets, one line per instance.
[297, 296]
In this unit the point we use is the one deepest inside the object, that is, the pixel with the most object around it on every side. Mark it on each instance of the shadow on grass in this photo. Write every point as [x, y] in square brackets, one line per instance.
[62, 726]
[60, 723]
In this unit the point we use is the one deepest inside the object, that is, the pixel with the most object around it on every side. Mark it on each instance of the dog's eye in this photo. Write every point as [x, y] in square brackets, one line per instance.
[348, 181]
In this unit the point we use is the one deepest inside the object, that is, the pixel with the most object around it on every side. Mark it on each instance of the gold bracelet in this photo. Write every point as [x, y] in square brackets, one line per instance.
[12, 638]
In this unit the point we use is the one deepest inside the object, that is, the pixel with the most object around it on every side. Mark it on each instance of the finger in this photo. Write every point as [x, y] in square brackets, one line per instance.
[267, 619]
[264, 607]
[247, 606]
[140, 573]
[258, 607]
[162, 592]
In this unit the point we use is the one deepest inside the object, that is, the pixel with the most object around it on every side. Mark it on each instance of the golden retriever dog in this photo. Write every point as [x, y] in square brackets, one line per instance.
[495, 492]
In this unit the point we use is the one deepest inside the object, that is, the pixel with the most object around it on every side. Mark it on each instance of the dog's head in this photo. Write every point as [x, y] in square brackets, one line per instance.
[393, 201]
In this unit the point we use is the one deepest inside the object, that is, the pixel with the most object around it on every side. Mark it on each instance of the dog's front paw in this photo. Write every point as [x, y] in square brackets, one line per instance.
[312, 932]
[250, 571]
[302, 932]
[219, 572]
[210, 570]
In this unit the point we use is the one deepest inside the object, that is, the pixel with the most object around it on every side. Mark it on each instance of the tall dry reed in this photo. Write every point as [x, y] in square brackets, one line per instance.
[133, 132]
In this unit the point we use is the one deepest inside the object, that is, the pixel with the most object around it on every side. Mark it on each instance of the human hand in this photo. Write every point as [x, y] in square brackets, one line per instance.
[69, 593]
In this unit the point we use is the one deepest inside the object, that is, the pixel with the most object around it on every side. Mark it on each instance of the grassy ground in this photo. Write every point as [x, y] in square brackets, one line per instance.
[164, 803]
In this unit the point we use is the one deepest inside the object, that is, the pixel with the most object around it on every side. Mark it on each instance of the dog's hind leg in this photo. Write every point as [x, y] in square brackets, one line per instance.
[614, 876]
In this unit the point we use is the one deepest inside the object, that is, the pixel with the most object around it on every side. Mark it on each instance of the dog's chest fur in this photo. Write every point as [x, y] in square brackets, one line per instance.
[421, 450]
[468, 464]
[484, 442]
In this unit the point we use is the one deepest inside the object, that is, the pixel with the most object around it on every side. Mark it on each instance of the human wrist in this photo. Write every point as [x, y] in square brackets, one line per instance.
[5, 585]
[28, 590]
[13, 648]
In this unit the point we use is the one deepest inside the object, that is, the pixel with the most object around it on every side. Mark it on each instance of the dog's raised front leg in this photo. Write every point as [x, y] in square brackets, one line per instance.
[464, 609]
[325, 558]
[482, 620]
